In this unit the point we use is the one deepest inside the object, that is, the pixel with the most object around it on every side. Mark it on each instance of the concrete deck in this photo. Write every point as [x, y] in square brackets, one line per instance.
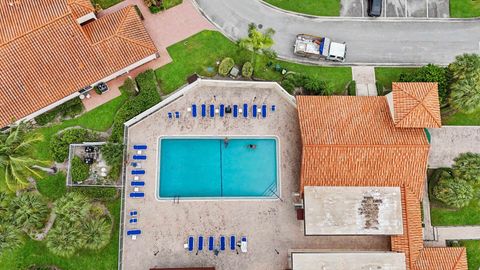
[271, 226]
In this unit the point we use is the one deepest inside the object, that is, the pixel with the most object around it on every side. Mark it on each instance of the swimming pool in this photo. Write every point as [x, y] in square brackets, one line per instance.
[212, 167]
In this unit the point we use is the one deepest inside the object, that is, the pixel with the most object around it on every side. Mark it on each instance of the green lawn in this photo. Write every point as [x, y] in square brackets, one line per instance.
[464, 8]
[199, 54]
[36, 253]
[386, 75]
[473, 253]
[105, 3]
[311, 7]
[462, 119]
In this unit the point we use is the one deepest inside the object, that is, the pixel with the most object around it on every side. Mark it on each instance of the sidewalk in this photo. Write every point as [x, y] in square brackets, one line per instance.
[364, 78]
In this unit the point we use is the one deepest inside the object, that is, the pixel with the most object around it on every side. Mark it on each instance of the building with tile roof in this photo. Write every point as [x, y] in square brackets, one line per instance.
[377, 142]
[52, 49]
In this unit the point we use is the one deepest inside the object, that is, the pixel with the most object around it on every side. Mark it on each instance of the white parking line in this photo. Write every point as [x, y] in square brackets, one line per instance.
[406, 8]
[363, 9]
[385, 8]
[427, 8]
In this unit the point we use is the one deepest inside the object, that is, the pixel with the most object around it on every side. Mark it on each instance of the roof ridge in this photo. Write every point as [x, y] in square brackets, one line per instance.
[420, 102]
[124, 18]
[36, 28]
[458, 258]
[135, 42]
[366, 145]
[75, 2]
[128, 9]
[407, 234]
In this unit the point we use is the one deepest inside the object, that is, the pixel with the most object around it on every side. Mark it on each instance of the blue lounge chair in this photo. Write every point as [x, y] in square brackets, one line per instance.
[194, 110]
[139, 157]
[137, 172]
[254, 111]
[204, 110]
[273, 108]
[133, 220]
[235, 111]
[212, 110]
[200, 243]
[222, 110]
[264, 110]
[177, 114]
[245, 110]
[139, 147]
[134, 232]
[190, 244]
[170, 116]
[137, 195]
[222, 242]
[138, 183]
[211, 243]
[233, 242]
[133, 213]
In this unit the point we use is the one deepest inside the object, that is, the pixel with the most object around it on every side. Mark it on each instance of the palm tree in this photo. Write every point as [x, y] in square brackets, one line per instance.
[29, 211]
[5, 200]
[258, 42]
[64, 239]
[466, 65]
[97, 233]
[16, 162]
[465, 95]
[10, 237]
[72, 208]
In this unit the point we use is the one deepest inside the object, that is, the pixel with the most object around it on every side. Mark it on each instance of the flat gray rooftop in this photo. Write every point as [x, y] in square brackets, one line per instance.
[349, 261]
[270, 225]
[353, 211]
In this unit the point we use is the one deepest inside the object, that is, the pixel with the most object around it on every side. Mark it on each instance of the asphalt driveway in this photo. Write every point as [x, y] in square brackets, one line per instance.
[369, 41]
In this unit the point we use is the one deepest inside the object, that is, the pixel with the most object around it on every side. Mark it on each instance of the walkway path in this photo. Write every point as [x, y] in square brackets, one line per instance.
[369, 41]
[449, 141]
[364, 78]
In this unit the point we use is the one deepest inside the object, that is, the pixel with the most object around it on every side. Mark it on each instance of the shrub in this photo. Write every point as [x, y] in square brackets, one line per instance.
[60, 143]
[225, 66]
[10, 237]
[70, 109]
[112, 153]
[352, 88]
[154, 9]
[130, 87]
[467, 167]
[97, 233]
[97, 193]
[315, 86]
[64, 239]
[430, 73]
[79, 171]
[146, 98]
[453, 192]
[288, 85]
[46, 118]
[73, 207]
[247, 70]
[29, 211]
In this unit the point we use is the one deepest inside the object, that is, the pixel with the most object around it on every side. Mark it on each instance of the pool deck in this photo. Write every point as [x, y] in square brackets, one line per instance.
[270, 225]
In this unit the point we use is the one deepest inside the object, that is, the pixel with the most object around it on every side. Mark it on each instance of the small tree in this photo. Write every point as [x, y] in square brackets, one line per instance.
[316, 86]
[10, 237]
[64, 239]
[72, 207]
[466, 66]
[29, 212]
[79, 170]
[97, 233]
[453, 192]
[465, 95]
[247, 70]
[258, 42]
[225, 66]
[467, 167]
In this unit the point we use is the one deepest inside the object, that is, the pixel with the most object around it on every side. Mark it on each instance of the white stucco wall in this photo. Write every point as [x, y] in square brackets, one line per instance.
[87, 17]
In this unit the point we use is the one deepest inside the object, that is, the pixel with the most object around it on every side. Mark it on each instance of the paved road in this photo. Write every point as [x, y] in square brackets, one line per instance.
[369, 41]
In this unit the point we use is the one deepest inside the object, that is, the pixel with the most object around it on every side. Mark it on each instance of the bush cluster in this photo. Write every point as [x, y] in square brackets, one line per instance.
[430, 73]
[247, 70]
[79, 225]
[97, 193]
[60, 143]
[225, 66]
[352, 88]
[113, 155]
[311, 85]
[69, 109]
[147, 97]
[79, 170]
[130, 87]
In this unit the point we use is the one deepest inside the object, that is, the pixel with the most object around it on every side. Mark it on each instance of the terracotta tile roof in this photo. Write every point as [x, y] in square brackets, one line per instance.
[80, 8]
[59, 58]
[352, 141]
[416, 105]
[451, 258]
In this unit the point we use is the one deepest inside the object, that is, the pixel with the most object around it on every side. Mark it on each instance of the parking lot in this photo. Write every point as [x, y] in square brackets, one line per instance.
[398, 8]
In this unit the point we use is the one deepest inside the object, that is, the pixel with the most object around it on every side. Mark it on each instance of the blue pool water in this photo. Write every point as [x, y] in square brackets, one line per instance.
[209, 168]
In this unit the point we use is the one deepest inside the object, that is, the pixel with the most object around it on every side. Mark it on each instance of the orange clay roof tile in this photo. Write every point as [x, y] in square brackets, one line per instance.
[52, 57]
[352, 141]
[416, 105]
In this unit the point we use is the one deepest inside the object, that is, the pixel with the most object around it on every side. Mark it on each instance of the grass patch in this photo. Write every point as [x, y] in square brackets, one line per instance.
[200, 53]
[386, 75]
[311, 7]
[473, 253]
[53, 186]
[105, 3]
[36, 253]
[464, 8]
[462, 119]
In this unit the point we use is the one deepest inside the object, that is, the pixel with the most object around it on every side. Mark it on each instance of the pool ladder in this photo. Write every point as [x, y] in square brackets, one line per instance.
[176, 200]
